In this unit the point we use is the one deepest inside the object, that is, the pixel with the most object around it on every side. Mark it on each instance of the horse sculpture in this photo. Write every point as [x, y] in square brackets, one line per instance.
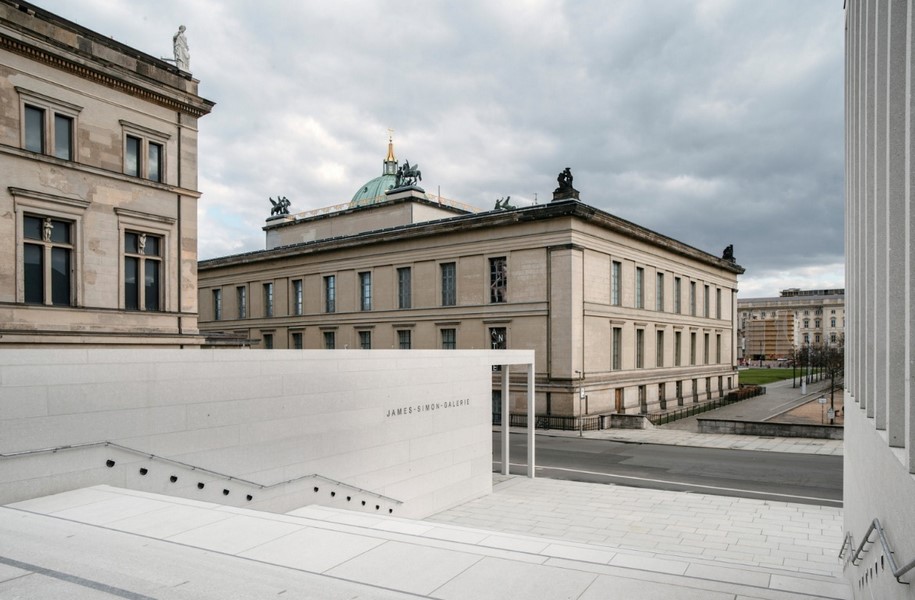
[280, 206]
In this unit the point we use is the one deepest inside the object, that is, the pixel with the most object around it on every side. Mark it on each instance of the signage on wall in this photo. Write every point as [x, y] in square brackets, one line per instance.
[426, 407]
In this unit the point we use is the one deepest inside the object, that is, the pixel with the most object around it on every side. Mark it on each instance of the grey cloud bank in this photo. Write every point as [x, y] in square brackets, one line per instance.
[713, 122]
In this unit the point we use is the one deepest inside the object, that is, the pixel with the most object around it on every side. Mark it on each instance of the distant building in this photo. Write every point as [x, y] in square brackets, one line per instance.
[773, 328]
[880, 279]
[640, 321]
[99, 159]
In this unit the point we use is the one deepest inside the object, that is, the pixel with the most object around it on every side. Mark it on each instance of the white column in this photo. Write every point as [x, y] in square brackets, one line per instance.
[506, 420]
[531, 418]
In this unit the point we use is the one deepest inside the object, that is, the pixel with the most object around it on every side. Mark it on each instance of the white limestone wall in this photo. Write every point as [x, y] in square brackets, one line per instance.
[411, 425]
[880, 290]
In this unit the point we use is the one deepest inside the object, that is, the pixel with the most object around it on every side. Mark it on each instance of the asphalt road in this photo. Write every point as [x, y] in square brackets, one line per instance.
[803, 478]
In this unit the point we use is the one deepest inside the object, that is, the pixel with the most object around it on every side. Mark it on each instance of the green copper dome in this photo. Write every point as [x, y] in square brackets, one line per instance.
[373, 191]
[368, 193]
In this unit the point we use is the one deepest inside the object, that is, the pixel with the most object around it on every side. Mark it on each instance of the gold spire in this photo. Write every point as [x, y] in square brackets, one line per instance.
[391, 156]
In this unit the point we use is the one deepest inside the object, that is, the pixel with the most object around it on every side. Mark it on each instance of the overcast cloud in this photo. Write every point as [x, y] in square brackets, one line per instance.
[714, 122]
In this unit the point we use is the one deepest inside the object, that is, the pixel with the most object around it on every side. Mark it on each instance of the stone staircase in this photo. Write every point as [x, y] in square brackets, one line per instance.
[378, 556]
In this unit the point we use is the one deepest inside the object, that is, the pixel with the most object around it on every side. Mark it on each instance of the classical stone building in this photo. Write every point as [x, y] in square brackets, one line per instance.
[772, 328]
[98, 205]
[880, 280]
[640, 321]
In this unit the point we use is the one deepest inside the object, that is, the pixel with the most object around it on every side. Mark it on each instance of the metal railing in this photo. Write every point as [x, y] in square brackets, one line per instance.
[184, 465]
[556, 422]
[689, 410]
[887, 551]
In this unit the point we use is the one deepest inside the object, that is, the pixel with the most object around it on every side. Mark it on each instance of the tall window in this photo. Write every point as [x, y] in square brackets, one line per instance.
[268, 299]
[330, 340]
[659, 292]
[692, 348]
[816, 323]
[832, 337]
[617, 348]
[718, 303]
[268, 341]
[705, 302]
[48, 126]
[659, 349]
[144, 152]
[365, 291]
[47, 261]
[330, 294]
[404, 288]
[705, 347]
[639, 287]
[718, 348]
[678, 345]
[498, 279]
[365, 340]
[297, 340]
[241, 296]
[639, 348]
[677, 296]
[217, 305]
[692, 298]
[806, 323]
[449, 339]
[297, 297]
[449, 284]
[405, 339]
[832, 322]
[615, 274]
[142, 271]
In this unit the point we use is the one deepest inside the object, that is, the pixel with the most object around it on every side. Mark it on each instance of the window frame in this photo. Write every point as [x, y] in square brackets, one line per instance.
[268, 299]
[448, 283]
[217, 304]
[145, 137]
[330, 293]
[298, 297]
[678, 299]
[241, 301]
[659, 291]
[639, 287]
[142, 259]
[51, 108]
[498, 279]
[365, 290]
[57, 208]
[446, 344]
[616, 349]
[616, 274]
[365, 339]
[404, 339]
[404, 288]
[47, 248]
[659, 348]
[159, 226]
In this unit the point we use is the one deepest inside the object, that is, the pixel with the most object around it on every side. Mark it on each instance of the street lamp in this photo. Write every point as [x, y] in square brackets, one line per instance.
[581, 396]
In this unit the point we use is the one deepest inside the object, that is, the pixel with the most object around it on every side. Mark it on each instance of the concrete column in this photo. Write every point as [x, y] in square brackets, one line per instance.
[895, 224]
[879, 244]
[866, 281]
[909, 247]
[506, 420]
[531, 417]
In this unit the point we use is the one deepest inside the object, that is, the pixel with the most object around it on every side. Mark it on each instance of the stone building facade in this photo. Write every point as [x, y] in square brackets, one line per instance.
[98, 205]
[639, 321]
[879, 272]
[773, 328]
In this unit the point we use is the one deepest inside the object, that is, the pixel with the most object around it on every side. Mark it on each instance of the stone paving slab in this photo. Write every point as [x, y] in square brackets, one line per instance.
[798, 538]
[86, 558]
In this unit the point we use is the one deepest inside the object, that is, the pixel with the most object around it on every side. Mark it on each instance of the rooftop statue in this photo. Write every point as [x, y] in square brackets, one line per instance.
[182, 52]
[503, 204]
[729, 253]
[407, 175]
[565, 189]
[280, 206]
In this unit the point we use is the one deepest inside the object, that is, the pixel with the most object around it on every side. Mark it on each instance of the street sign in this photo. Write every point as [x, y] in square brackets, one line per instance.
[831, 414]
[821, 400]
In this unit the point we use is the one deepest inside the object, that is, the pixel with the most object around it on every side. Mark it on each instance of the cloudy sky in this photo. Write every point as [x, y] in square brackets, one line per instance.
[714, 122]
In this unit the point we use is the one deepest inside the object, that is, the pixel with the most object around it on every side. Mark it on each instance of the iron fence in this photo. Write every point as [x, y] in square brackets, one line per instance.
[689, 410]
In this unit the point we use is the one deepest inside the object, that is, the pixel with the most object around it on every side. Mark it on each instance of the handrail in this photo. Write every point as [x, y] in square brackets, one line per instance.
[856, 555]
[196, 468]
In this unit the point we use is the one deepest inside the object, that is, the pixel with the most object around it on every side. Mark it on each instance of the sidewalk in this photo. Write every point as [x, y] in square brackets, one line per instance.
[780, 397]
